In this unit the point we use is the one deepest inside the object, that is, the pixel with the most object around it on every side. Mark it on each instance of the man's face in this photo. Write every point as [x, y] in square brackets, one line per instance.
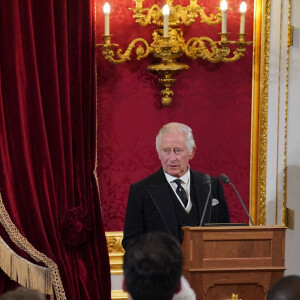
[174, 154]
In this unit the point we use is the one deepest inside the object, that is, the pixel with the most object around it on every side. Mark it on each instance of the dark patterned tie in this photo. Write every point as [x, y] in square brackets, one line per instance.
[181, 192]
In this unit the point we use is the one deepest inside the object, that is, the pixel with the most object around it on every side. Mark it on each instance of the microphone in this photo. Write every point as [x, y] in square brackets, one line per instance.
[208, 180]
[226, 180]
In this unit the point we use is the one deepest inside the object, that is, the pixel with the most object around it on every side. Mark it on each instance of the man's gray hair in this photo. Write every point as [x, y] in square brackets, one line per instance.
[177, 128]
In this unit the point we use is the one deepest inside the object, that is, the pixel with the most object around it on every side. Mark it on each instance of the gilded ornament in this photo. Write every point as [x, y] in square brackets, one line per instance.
[168, 49]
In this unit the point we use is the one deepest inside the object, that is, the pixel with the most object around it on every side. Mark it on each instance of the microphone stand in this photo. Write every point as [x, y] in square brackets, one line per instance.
[245, 209]
[206, 203]
[226, 180]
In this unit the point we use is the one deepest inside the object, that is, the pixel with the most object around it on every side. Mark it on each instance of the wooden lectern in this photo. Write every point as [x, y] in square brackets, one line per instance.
[233, 262]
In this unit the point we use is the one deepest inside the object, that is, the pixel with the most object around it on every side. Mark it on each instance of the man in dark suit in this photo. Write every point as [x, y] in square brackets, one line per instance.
[162, 203]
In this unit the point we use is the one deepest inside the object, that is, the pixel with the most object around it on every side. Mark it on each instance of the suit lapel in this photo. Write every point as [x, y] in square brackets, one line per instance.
[159, 191]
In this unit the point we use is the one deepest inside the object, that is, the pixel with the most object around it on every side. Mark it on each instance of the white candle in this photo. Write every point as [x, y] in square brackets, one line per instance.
[243, 8]
[106, 10]
[224, 8]
[166, 13]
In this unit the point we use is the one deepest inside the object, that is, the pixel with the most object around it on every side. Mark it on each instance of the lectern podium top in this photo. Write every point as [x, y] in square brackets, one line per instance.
[235, 227]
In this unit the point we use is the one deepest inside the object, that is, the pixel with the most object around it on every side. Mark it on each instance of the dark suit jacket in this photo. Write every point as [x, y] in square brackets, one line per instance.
[150, 206]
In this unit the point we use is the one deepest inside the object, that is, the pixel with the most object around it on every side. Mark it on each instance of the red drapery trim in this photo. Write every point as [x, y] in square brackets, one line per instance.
[47, 137]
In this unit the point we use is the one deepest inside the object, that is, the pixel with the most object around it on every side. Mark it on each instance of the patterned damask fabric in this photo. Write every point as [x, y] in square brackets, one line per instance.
[213, 99]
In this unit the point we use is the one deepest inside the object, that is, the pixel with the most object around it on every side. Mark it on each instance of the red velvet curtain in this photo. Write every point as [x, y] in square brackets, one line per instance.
[47, 138]
[213, 99]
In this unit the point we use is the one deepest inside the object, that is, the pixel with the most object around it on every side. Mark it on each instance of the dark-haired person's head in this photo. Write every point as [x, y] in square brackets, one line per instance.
[287, 288]
[152, 267]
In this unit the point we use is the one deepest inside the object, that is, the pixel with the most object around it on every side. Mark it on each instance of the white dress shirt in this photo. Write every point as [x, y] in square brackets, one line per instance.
[185, 183]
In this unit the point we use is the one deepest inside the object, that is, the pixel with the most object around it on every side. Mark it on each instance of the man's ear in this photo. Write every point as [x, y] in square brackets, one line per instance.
[124, 285]
[193, 153]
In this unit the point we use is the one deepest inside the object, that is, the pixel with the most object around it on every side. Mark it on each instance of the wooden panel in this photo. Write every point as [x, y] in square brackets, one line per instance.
[245, 261]
[238, 234]
[236, 263]
[248, 285]
[237, 248]
[240, 290]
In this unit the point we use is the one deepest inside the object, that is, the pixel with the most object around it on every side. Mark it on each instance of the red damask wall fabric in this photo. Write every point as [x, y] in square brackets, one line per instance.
[213, 99]
[47, 138]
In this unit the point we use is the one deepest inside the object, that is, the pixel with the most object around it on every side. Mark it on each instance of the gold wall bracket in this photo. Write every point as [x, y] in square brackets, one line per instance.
[168, 49]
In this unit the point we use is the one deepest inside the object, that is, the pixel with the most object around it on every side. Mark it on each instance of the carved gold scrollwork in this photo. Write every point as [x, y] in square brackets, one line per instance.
[235, 297]
[142, 51]
[115, 251]
[178, 14]
[169, 49]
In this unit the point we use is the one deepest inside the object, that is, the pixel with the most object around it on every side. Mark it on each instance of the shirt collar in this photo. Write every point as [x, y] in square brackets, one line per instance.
[185, 178]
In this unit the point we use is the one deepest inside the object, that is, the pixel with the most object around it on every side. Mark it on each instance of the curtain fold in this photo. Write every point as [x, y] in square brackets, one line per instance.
[47, 138]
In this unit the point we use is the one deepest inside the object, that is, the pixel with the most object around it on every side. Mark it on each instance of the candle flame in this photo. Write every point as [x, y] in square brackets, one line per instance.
[166, 10]
[243, 7]
[106, 8]
[223, 5]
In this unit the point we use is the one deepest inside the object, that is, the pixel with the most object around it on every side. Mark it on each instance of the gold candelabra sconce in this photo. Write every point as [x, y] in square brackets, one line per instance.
[168, 43]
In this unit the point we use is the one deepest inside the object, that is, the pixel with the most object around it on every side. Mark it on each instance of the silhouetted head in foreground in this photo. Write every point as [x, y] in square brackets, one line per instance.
[287, 288]
[152, 267]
